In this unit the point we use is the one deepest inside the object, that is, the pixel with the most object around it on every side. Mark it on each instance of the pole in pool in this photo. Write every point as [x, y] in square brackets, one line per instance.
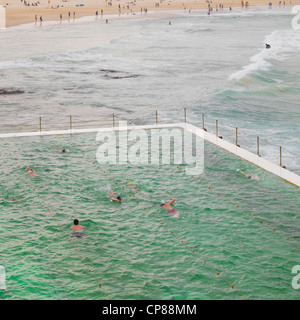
[281, 165]
[203, 127]
[217, 130]
[236, 137]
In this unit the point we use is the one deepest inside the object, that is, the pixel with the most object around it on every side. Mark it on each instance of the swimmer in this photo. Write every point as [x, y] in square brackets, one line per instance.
[112, 197]
[167, 206]
[31, 172]
[62, 150]
[132, 187]
[77, 228]
[248, 176]
[13, 200]
[268, 46]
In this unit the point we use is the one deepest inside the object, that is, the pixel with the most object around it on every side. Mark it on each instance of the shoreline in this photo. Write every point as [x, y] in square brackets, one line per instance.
[19, 15]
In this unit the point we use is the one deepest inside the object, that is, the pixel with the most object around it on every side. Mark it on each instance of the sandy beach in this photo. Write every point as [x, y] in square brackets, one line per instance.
[22, 12]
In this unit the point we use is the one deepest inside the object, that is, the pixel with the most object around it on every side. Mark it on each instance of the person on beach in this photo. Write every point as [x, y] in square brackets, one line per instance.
[248, 176]
[113, 198]
[167, 206]
[31, 172]
[77, 228]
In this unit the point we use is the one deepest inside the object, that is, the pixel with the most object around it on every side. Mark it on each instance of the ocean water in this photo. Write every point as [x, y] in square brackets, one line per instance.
[216, 65]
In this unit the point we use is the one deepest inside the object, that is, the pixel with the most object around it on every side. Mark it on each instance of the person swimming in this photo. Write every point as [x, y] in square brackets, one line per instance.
[77, 228]
[268, 46]
[112, 197]
[31, 172]
[167, 206]
[132, 187]
[248, 176]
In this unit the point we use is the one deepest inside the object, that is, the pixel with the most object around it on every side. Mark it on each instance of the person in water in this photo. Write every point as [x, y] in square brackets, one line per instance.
[77, 228]
[31, 172]
[167, 206]
[112, 197]
[132, 186]
[248, 176]
[268, 46]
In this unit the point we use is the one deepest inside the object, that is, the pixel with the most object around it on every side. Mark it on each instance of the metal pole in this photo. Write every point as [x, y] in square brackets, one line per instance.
[281, 165]
[203, 121]
[113, 120]
[40, 124]
[70, 122]
[156, 117]
[185, 115]
[258, 146]
[236, 136]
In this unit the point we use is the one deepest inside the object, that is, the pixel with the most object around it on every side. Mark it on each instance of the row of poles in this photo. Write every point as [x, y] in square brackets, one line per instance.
[202, 127]
[220, 137]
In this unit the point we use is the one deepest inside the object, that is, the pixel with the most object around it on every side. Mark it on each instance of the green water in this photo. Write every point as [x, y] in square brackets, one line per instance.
[128, 250]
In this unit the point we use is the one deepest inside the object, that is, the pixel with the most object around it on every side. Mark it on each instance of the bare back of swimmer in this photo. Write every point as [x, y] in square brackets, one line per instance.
[112, 197]
[248, 176]
[170, 210]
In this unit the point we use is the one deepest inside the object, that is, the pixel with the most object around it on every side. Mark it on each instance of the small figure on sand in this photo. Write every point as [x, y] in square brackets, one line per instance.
[167, 206]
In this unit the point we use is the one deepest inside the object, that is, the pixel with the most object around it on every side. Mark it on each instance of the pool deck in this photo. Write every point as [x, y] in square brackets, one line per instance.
[225, 145]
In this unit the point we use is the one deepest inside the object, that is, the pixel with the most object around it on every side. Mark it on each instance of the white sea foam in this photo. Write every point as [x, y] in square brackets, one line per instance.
[283, 43]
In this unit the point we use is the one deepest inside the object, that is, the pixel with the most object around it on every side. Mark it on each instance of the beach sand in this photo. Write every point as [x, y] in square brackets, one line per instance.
[50, 10]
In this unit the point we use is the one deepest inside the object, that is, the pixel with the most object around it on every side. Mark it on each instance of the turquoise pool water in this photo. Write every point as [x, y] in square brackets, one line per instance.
[127, 248]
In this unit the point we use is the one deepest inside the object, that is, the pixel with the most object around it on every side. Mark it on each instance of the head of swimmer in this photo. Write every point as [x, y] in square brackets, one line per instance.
[119, 198]
[76, 222]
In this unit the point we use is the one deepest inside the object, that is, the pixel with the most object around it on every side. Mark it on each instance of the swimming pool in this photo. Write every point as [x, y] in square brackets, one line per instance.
[135, 250]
